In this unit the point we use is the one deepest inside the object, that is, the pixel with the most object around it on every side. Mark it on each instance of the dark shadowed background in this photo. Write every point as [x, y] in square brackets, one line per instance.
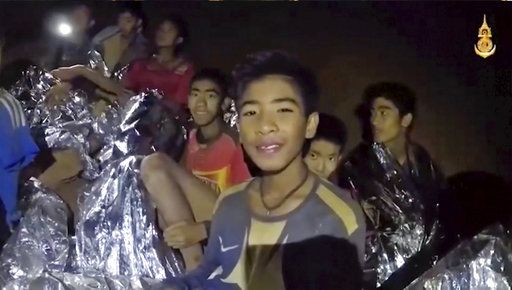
[465, 102]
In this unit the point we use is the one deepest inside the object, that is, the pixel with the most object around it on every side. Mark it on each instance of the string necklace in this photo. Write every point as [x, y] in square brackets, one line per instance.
[286, 197]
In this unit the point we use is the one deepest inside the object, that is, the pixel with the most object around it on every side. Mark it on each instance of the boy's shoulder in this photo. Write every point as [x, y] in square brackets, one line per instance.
[341, 203]
[228, 138]
[231, 134]
[105, 34]
[326, 185]
[233, 193]
[184, 67]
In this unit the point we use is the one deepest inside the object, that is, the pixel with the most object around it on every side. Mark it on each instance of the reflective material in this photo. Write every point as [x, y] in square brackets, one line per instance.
[116, 244]
[40, 243]
[115, 233]
[400, 203]
[484, 262]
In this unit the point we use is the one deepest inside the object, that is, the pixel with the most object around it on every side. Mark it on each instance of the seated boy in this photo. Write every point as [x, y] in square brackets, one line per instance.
[276, 100]
[123, 43]
[25, 154]
[399, 186]
[326, 148]
[213, 160]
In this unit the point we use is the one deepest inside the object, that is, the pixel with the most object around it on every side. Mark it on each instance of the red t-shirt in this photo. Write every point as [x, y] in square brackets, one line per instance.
[175, 84]
[220, 164]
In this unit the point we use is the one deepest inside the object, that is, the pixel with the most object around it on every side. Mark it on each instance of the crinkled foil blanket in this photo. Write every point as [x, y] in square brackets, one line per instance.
[484, 262]
[395, 212]
[116, 244]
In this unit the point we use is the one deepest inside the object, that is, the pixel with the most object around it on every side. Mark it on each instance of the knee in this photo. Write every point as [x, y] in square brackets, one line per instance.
[153, 165]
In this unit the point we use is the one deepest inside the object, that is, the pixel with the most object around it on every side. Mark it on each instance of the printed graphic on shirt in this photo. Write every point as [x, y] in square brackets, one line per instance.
[254, 258]
[216, 179]
[220, 164]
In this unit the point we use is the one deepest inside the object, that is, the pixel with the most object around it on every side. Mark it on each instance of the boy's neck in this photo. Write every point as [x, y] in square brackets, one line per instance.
[398, 148]
[128, 37]
[280, 183]
[211, 131]
[166, 55]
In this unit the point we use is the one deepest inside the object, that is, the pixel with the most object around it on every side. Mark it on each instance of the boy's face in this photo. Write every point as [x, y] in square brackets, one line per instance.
[127, 23]
[387, 125]
[204, 101]
[166, 35]
[273, 125]
[81, 18]
[323, 157]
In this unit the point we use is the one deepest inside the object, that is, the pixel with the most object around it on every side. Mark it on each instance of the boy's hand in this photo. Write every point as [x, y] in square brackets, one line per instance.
[184, 234]
[58, 93]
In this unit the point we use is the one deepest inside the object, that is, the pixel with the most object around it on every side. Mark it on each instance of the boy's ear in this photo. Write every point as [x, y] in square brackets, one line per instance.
[311, 125]
[407, 120]
[138, 26]
[340, 160]
[226, 103]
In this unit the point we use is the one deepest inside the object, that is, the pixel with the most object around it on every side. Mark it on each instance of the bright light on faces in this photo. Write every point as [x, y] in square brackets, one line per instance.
[64, 29]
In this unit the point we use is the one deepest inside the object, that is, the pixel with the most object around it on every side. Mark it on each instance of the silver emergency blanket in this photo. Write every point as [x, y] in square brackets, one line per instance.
[31, 90]
[96, 62]
[400, 204]
[115, 233]
[484, 262]
[119, 74]
[145, 126]
[115, 220]
[72, 281]
[230, 116]
[68, 125]
[40, 242]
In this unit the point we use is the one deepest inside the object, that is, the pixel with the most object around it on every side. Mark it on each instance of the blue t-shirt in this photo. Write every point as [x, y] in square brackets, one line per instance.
[245, 250]
[17, 150]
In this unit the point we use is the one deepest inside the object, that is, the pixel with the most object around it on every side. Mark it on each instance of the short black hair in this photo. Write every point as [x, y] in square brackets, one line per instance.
[400, 95]
[331, 128]
[266, 63]
[134, 8]
[182, 27]
[215, 75]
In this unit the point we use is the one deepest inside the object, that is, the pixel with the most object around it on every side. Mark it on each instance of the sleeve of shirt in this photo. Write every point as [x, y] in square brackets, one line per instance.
[17, 147]
[7, 133]
[28, 148]
[198, 277]
[239, 170]
[183, 89]
[358, 237]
